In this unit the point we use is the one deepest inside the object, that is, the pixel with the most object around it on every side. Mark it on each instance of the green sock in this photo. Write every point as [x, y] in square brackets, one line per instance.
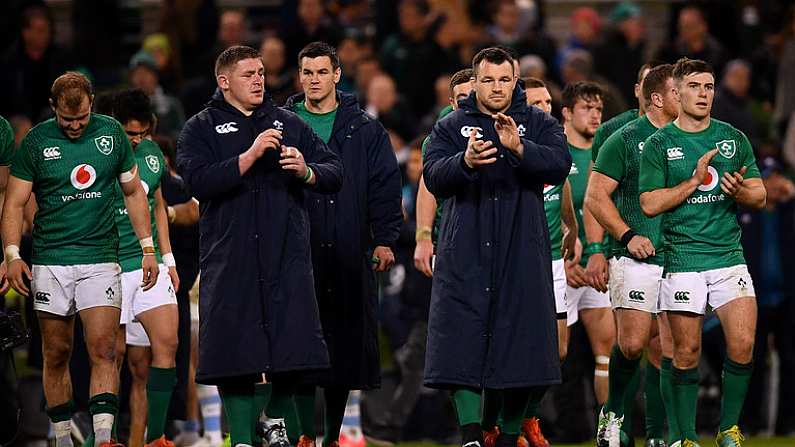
[514, 404]
[621, 371]
[282, 406]
[685, 392]
[262, 394]
[492, 403]
[629, 400]
[238, 403]
[304, 398]
[666, 392]
[534, 401]
[158, 395]
[655, 410]
[467, 405]
[336, 398]
[89, 442]
[735, 384]
[103, 403]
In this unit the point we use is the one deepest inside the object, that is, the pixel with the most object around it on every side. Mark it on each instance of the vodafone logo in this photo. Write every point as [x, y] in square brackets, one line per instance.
[83, 176]
[710, 181]
[548, 188]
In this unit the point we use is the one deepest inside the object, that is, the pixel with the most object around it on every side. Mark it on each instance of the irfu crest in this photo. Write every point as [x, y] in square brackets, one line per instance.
[104, 144]
[153, 163]
[727, 148]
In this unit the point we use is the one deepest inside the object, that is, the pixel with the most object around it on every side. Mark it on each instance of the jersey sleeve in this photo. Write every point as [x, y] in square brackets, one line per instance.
[126, 157]
[23, 166]
[598, 143]
[748, 159]
[652, 165]
[6, 142]
[611, 159]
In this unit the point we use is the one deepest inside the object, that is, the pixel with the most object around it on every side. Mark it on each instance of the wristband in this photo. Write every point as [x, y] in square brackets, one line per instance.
[171, 213]
[12, 254]
[308, 175]
[627, 236]
[422, 234]
[168, 260]
[146, 242]
[593, 248]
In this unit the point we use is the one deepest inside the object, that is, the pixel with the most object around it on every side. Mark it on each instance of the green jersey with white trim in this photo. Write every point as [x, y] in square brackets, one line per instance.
[6, 142]
[151, 168]
[701, 233]
[608, 128]
[619, 159]
[75, 185]
[553, 198]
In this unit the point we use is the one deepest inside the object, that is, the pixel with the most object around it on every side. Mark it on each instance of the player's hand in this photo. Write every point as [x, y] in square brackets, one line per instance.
[172, 272]
[701, 167]
[293, 160]
[731, 183]
[16, 273]
[479, 153]
[569, 245]
[596, 272]
[575, 274]
[423, 253]
[508, 133]
[269, 139]
[385, 258]
[4, 284]
[150, 272]
[640, 247]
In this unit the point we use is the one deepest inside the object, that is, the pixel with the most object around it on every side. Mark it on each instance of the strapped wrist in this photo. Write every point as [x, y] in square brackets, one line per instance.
[11, 253]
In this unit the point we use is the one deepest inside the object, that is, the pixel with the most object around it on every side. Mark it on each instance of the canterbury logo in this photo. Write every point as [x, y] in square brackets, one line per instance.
[682, 297]
[51, 153]
[226, 127]
[42, 297]
[636, 295]
[675, 153]
[466, 130]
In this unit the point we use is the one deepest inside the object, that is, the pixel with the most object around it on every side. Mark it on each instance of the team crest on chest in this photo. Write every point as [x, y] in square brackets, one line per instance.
[727, 148]
[521, 129]
[153, 163]
[104, 144]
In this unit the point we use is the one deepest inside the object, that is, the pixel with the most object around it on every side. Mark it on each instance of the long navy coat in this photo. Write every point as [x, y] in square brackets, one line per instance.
[492, 317]
[345, 228]
[257, 303]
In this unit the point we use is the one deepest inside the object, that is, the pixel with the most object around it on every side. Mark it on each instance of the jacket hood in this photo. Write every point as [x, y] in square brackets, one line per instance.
[518, 102]
[218, 101]
[348, 104]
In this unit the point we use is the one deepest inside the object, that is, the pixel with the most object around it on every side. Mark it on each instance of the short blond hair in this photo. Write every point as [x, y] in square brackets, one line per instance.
[69, 90]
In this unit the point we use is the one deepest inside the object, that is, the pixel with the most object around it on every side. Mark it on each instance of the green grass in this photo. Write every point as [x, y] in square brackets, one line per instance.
[752, 442]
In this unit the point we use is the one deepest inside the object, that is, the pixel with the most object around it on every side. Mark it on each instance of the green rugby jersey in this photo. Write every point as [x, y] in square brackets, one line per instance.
[702, 233]
[437, 221]
[578, 177]
[619, 159]
[75, 186]
[151, 169]
[553, 197]
[321, 123]
[6, 142]
[608, 128]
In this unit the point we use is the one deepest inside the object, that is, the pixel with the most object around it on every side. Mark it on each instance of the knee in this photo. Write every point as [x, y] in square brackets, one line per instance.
[102, 350]
[56, 354]
[632, 347]
[741, 348]
[139, 371]
[686, 354]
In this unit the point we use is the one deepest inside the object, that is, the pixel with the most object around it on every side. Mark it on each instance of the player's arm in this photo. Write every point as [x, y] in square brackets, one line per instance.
[596, 269]
[657, 201]
[569, 220]
[183, 214]
[163, 240]
[747, 192]
[425, 214]
[138, 210]
[17, 195]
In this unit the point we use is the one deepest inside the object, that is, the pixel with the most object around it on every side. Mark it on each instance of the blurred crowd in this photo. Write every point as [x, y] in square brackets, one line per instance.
[398, 56]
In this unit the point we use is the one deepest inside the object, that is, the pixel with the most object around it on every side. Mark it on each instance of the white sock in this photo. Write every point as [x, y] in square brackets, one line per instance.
[63, 433]
[210, 406]
[103, 425]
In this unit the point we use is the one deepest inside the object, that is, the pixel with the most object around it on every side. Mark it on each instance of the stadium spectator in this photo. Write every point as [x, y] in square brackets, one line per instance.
[350, 51]
[623, 51]
[30, 67]
[279, 77]
[314, 24]
[145, 76]
[367, 68]
[578, 66]
[384, 103]
[168, 66]
[785, 89]
[732, 103]
[694, 41]
[413, 57]
[585, 27]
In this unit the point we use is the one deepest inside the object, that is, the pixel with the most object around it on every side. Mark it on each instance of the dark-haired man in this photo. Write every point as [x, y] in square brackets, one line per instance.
[74, 163]
[697, 170]
[149, 317]
[636, 258]
[492, 319]
[352, 235]
[249, 164]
